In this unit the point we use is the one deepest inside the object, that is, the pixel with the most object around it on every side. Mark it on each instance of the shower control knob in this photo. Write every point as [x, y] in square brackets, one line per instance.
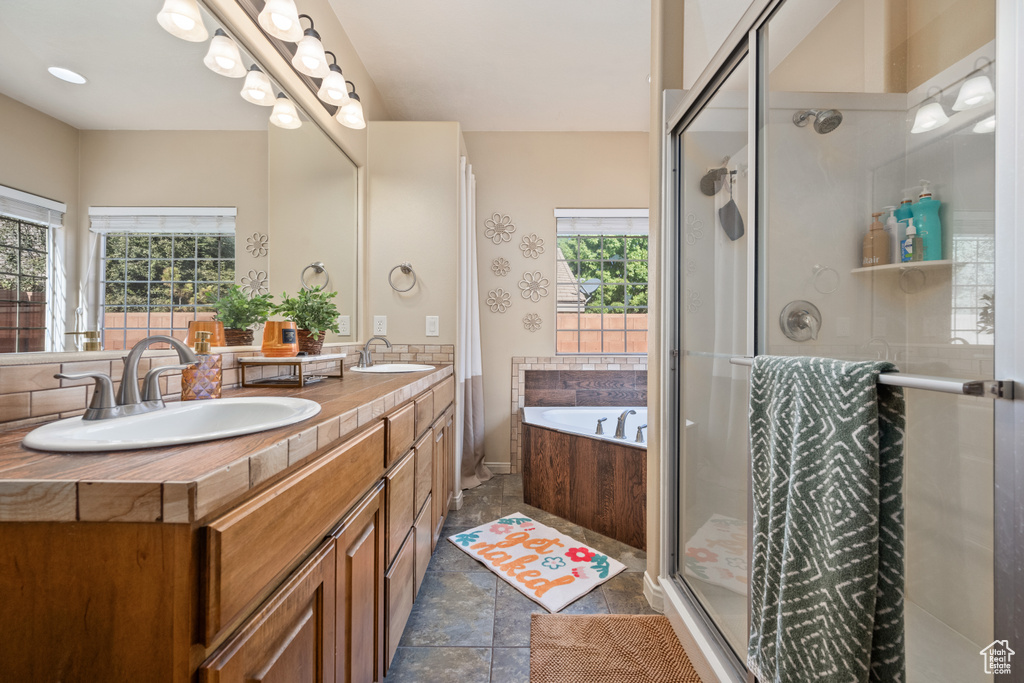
[600, 427]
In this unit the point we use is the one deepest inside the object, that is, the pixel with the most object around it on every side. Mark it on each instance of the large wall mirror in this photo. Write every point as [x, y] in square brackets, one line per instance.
[130, 203]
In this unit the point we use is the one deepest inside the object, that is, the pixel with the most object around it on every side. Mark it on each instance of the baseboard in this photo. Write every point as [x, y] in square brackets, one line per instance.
[456, 501]
[655, 596]
[499, 467]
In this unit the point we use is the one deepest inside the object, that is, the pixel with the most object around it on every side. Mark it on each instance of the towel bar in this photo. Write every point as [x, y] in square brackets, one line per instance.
[977, 387]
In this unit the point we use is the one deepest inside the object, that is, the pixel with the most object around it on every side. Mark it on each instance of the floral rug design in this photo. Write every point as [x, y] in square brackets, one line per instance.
[717, 553]
[546, 566]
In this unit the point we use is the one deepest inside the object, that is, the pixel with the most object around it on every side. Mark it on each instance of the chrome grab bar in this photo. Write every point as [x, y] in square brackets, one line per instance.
[985, 388]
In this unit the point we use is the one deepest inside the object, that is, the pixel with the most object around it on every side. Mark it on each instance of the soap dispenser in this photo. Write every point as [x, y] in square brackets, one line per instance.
[912, 249]
[203, 379]
[926, 218]
[876, 244]
[905, 209]
[892, 226]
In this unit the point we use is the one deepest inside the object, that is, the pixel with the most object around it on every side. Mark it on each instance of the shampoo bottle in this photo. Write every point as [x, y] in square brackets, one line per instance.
[202, 380]
[876, 244]
[912, 249]
[896, 236]
[926, 218]
[904, 210]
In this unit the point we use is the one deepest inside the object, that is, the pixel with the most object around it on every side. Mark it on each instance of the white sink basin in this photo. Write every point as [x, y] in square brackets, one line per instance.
[394, 367]
[178, 423]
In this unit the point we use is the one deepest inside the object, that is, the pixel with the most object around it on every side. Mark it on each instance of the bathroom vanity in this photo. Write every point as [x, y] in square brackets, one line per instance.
[293, 554]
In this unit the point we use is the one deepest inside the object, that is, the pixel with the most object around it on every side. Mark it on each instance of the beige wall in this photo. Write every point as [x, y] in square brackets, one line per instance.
[412, 215]
[527, 176]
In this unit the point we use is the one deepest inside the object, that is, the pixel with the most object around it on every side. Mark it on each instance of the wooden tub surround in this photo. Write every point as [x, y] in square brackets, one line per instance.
[293, 554]
[595, 483]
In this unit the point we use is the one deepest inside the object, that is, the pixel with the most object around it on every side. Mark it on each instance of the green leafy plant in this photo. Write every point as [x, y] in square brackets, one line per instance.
[237, 311]
[311, 310]
[987, 314]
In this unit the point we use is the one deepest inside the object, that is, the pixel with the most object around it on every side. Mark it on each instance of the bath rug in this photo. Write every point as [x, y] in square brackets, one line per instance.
[607, 648]
[543, 564]
[717, 554]
[827, 576]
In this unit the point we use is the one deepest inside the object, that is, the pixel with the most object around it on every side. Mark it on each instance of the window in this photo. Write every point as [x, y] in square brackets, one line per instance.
[974, 255]
[160, 273]
[25, 267]
[601, 281]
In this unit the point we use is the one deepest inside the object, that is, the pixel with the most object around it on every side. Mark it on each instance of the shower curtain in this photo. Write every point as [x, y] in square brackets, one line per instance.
[469, 442]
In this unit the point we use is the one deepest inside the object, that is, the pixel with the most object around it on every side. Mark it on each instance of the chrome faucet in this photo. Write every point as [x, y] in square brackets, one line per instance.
[600, 427]
[129, 402]
[640, 433]
[620, 429]
[364, 356]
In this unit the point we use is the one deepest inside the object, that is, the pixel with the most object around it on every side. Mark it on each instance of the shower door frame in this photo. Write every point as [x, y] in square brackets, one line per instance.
[688, 616]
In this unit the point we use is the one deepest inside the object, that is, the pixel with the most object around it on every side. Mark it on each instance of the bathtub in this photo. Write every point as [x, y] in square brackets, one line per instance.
[583, 421]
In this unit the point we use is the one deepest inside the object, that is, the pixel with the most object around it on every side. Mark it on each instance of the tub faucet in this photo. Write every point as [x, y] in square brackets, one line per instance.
[364, 356]
[640, 433]
[620, 429]
[600, 427]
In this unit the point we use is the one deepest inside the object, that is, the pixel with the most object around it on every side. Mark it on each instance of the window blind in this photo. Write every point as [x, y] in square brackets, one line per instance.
[23, 206]
[606, 225]
[157, 219]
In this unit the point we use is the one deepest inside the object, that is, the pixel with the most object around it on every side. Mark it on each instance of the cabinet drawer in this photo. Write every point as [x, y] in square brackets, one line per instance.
[444, 394]
[422, 536]
[262, 539]
[401, 428]
[399, 589]
[400, 513]
[424, 412]
[424, 469]
[291, 638]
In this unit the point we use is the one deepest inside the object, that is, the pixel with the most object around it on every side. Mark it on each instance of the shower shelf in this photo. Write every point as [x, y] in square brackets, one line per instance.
[903, 266]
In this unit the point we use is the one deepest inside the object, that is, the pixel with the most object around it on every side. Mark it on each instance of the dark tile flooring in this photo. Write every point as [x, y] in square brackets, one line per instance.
[469, 626]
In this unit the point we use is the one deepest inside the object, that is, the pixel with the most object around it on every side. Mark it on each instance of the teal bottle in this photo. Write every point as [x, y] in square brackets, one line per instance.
[904, 210]
[926, 218]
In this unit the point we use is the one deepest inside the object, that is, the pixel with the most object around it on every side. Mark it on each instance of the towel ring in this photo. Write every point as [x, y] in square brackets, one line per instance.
[405, 268]
[319, 267]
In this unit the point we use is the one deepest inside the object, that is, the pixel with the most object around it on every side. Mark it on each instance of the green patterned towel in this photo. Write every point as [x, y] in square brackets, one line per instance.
[827, 579]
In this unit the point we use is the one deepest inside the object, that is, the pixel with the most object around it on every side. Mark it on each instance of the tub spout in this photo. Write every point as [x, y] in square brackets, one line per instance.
[620, 429]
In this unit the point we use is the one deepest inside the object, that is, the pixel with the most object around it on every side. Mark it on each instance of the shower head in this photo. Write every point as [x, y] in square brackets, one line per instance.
[825, 120]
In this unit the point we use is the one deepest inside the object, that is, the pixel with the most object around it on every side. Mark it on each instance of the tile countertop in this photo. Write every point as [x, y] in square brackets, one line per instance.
[184, 484]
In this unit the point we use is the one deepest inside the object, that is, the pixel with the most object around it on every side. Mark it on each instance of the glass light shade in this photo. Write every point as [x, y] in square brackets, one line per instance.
[223, 56]
[985, 125]
[334, 90]
[929, 117]
[181, 19]
[975, 92]
[257, 89]
[285, 115]
[280, 19]
[309, 56]
[351, 114]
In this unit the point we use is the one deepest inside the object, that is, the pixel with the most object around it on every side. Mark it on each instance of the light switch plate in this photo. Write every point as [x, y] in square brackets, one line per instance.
[344, 325]
[433, 326]
[380, 324]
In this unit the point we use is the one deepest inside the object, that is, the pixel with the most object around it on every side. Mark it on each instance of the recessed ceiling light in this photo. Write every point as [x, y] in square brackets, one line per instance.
[66, 75]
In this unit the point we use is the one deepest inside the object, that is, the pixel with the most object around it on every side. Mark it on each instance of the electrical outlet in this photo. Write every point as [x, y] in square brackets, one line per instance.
[380, 324]
[344, 325]
[433, 326]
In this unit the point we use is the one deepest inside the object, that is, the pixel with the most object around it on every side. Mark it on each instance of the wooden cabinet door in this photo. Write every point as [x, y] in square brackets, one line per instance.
[359, 549]
[438, 506]
[449, 459]
[401, 492]
[290, 639]
[423, 538]
[399, 586]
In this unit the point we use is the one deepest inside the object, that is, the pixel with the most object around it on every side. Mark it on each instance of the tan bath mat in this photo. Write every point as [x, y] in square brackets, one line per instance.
[606, 648]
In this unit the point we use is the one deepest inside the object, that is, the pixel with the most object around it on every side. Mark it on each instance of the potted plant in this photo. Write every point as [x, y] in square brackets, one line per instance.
[313, 313]
[240, 315]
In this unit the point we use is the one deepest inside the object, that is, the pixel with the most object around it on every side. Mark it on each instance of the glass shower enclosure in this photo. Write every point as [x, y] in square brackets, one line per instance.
[816, 141]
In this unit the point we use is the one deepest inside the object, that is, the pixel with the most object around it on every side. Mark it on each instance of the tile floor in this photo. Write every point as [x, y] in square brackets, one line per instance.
[469, 626]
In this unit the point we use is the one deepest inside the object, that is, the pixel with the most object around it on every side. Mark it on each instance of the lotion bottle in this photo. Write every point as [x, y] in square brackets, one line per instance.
[892, 226]
[913, 248]
[876, 244]
[203, 379]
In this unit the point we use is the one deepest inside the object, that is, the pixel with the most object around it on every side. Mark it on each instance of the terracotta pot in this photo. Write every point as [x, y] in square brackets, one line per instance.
[311, 345]
[214, 327]
[236, 337]
[279, 339]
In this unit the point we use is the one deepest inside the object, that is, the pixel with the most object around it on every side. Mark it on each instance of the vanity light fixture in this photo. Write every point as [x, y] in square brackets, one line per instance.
[257, 88]
[181, 19]
[280, 19]
[285, 115]
[985, 125]
[975, 92]
[67, 75]
[351, 113]
[929, 117]
[223, 56]
[310, 58]
[334, 89]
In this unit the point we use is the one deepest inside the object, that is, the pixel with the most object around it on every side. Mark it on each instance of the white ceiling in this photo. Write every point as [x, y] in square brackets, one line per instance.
[140, 77]
[507, 65]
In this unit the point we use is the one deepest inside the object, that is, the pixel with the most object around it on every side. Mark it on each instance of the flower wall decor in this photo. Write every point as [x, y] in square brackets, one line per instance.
[255, 283]
[500, 267]
[533, 286]
[531, 322]
[499, 300]
[257, 245]
[499, 228]
[532, 246]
